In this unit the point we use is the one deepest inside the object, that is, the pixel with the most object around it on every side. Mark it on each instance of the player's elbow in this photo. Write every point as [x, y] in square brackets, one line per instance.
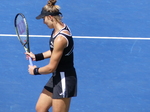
[51, 69]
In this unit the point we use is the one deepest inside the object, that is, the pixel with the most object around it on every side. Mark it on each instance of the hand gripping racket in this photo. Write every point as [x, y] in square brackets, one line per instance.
[22, 32]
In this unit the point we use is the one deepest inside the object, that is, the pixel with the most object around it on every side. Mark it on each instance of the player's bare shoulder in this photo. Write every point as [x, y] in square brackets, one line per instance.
[60, 41]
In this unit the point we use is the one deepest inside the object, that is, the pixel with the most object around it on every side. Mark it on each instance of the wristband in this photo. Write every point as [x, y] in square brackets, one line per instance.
[36, 71]
[39, 57]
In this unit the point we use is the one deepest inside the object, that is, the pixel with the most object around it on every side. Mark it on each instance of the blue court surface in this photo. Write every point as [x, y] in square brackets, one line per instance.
[112, 56]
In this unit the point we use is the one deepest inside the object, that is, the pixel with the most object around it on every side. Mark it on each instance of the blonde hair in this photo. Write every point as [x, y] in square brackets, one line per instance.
[51, 7]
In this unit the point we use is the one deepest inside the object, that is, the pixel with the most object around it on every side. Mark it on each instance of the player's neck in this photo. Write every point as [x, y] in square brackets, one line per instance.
[58, 27]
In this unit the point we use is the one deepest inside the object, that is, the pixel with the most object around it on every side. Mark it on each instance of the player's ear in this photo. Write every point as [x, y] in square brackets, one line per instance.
[50, 18]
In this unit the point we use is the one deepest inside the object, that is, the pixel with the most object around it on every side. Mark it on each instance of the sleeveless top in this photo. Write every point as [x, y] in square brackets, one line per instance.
[66, 61]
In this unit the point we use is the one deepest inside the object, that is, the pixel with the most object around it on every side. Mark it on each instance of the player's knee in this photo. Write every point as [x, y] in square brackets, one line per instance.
[40, 108]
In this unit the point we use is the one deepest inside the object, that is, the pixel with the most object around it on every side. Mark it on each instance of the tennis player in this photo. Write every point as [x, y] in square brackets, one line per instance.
[62, 85]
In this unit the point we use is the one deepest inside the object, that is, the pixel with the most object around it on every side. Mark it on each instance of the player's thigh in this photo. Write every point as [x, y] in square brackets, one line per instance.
[61, 105]
[45, 100]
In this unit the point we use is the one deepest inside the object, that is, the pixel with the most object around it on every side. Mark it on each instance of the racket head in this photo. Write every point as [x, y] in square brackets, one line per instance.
[22, 30]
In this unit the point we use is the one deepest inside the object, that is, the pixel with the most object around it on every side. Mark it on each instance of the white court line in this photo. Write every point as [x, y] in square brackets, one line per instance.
[84, 37]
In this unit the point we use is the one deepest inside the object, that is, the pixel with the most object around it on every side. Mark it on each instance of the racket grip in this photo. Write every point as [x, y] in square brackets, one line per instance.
[30, 61]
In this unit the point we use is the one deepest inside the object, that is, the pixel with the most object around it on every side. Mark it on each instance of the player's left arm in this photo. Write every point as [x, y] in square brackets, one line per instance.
[59, 44]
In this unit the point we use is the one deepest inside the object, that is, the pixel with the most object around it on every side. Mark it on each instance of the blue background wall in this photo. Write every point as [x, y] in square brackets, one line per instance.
[128, 18]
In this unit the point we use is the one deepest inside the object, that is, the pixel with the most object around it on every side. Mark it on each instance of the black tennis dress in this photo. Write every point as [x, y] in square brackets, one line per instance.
[63, 83]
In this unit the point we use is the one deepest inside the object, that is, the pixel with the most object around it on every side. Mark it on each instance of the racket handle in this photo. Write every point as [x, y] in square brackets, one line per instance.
[30, 61]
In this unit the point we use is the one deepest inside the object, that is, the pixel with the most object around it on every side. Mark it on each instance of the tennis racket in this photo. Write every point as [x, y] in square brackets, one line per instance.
[22, 32]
